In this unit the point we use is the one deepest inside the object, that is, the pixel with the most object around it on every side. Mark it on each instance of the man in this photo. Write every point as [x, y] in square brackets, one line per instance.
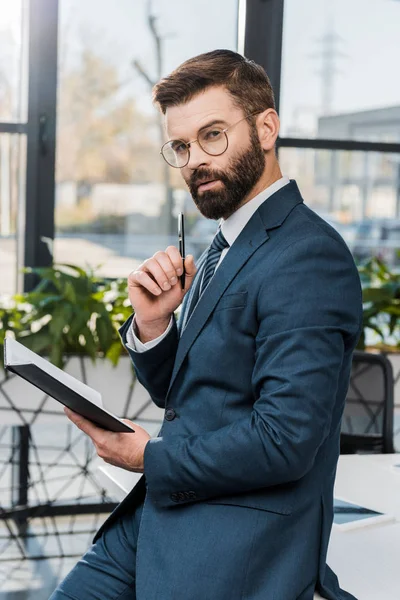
[236, 498]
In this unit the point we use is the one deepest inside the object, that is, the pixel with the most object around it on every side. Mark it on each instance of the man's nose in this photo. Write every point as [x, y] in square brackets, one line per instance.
[197, 156]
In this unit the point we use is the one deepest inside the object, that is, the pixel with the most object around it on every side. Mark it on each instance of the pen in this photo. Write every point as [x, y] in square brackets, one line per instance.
[181, 241]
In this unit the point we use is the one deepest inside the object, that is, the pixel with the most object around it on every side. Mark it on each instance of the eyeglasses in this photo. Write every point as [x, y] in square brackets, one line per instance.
[213, 140]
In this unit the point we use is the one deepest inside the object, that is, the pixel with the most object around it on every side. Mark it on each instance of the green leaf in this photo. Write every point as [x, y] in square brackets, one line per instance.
[114, 352]
[375, 328]
[56, 355]
[105, 332]
[74, 268]
[90, 343]
[382, 294]
[69, 292]
[394, 322]
[39, 342]
[57, 323]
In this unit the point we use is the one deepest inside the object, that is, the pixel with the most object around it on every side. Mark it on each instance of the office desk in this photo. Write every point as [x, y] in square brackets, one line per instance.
[367, 559]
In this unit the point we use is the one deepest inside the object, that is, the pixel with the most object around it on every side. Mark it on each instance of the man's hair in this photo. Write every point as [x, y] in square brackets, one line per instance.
[246, 81]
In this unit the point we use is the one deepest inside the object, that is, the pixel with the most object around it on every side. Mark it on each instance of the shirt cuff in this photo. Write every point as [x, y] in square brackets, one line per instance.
[133, 342]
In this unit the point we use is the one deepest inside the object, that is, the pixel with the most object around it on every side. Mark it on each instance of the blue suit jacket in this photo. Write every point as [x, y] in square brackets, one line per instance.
[238, 486]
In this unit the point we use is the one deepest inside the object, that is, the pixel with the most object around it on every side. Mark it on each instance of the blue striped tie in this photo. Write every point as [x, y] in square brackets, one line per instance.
[213, 256]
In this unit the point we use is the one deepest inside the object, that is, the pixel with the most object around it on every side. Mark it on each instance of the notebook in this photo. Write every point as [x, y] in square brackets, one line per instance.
[61, 386]
[348, 515]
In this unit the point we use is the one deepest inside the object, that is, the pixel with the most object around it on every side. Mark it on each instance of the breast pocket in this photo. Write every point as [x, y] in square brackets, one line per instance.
[234, 300]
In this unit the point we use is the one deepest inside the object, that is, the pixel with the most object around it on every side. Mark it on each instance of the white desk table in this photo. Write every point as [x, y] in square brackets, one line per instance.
[367, 559]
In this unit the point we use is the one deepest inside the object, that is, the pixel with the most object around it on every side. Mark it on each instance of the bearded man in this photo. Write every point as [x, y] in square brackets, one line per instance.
[236, 500]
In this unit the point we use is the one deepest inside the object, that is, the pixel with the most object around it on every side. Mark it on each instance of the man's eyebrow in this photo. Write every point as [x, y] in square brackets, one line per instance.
[213, 122]
[206, 126]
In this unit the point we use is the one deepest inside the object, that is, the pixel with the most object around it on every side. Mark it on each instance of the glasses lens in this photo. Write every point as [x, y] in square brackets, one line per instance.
[176, 153]
[213, 141]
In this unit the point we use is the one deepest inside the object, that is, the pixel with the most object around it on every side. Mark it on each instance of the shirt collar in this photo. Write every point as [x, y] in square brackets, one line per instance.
[233, 225]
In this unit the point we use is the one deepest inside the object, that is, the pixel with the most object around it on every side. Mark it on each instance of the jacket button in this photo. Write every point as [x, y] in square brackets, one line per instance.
[181, 496]
[174, 497]
[170, 414]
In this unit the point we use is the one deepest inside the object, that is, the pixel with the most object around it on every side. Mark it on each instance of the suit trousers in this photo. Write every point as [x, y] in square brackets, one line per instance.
[107, 570]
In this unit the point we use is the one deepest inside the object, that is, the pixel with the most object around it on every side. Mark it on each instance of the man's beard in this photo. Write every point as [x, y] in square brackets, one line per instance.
[237, 181]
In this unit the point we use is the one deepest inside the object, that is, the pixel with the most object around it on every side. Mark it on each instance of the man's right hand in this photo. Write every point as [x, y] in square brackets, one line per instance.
[155, 291]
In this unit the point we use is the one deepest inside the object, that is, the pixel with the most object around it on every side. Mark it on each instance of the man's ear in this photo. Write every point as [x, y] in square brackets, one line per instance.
[268, 128]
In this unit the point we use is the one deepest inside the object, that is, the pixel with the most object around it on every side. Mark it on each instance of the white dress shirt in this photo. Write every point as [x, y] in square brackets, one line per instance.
[231, 228]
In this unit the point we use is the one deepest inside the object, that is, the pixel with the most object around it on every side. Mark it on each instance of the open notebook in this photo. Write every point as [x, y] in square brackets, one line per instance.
[60, 385]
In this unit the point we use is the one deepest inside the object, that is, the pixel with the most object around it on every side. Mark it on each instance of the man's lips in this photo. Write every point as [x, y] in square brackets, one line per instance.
[207, 185]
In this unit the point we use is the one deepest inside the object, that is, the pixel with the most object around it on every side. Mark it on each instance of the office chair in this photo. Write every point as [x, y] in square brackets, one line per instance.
[367, 424]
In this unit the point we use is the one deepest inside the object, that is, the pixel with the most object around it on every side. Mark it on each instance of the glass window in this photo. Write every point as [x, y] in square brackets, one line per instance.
[116, 200]
[357, 192]
[338, 74]
[13, 61]
[12, 194]
[393, 234]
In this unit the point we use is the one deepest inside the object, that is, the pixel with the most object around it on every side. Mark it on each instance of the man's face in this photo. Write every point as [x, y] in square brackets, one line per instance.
[218, 184]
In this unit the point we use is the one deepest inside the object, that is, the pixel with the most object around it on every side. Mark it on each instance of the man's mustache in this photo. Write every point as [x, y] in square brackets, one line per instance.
[200, 177]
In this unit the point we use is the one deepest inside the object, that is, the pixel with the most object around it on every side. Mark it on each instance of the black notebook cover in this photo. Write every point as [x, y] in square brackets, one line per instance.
[68, 397]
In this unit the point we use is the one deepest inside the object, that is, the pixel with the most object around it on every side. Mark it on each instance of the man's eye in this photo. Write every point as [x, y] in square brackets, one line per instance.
[212, 134]
[179, 147]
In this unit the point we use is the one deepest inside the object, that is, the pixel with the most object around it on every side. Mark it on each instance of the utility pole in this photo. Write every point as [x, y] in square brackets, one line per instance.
[328, 55]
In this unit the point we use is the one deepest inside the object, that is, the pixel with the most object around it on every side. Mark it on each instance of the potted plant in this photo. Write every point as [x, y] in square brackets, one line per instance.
[72, 317]
[381, 314]
[70, 311]
[381, 306]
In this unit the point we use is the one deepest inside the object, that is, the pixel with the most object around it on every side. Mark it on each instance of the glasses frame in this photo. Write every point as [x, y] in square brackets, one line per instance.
[188, 144]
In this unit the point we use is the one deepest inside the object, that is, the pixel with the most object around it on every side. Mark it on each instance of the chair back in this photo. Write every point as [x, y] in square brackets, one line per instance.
[367, 423]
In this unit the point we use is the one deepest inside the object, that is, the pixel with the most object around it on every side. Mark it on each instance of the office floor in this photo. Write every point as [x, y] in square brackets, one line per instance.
[36, 579]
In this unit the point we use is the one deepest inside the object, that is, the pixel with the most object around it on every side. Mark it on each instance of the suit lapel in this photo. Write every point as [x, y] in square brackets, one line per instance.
[252, 236]
[272, 213]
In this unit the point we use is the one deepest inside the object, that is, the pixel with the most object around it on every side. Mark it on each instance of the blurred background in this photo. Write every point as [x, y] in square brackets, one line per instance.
[82, 182]
[107, 199]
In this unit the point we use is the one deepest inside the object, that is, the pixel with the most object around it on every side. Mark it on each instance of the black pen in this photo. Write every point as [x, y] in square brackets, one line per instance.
[181, 241]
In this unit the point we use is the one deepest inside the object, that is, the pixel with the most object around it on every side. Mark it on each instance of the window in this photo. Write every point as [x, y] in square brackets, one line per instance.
[116, 200]
[351, 185]
[12, 193]
[338, 70]
[356, 192]
[13, 114]
[13, 81]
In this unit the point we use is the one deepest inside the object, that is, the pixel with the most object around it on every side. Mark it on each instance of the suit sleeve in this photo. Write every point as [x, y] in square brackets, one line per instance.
[309, 311]
[154, 367]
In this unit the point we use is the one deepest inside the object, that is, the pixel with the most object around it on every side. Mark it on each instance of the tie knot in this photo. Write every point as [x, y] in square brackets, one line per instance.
[219, 242]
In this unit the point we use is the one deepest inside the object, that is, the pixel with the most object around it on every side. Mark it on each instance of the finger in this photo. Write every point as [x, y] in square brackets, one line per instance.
[168, 266]
[83, 424]
[128, 422]
[190, 267]
[190, 272]
[131, 424]
[176, 259]
[141, 278]
[155, 269]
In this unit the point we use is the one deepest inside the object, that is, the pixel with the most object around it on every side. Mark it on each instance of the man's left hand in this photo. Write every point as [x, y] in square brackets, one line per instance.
[125, 450]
